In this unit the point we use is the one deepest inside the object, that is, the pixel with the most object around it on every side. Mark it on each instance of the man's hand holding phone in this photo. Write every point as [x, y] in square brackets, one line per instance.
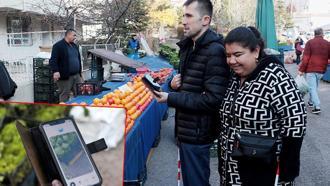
[161, 97]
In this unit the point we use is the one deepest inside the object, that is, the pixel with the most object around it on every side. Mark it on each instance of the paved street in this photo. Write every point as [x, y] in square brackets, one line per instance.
[315, 154]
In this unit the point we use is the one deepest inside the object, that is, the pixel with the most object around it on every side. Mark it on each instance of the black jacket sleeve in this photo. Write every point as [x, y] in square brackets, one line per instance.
[290, 158]
[215, 86]
[53, 61]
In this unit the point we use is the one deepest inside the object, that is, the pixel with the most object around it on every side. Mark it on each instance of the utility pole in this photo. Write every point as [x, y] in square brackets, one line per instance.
[74, 15]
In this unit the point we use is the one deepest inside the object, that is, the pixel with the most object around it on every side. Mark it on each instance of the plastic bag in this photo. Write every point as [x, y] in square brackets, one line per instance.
[302, 85]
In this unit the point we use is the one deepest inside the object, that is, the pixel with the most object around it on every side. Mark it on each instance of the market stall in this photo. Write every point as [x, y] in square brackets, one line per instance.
[326, 76]
[144, 114]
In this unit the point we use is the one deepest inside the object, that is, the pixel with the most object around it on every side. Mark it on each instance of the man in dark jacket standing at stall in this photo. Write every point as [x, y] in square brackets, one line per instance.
[65, 63]
[198, 91]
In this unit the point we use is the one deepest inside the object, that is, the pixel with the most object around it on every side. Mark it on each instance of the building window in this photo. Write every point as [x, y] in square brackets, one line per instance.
[17, 28]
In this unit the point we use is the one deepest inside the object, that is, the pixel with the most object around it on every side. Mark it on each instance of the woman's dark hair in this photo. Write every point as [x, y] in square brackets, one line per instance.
[247, 37]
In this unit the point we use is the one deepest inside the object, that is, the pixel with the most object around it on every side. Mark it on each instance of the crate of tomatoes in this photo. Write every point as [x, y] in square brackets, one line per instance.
[89, 88]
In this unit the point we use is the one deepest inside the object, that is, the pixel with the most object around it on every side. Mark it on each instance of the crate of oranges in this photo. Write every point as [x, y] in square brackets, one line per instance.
[135, 100]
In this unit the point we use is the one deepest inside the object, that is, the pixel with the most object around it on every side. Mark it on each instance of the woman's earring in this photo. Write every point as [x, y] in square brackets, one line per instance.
[257, 61]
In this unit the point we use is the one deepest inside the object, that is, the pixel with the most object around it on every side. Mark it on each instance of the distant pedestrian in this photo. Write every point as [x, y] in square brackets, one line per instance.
[314, 64]
[298, 49]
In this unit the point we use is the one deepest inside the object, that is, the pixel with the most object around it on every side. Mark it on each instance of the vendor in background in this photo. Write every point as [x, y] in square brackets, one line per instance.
[298, 48]
[133, 44]
[65, 63]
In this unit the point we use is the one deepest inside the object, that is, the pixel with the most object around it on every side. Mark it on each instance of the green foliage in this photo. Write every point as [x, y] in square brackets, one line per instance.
[171, 54]
[162, 13]
[13, 162]
[136, 20]
[50, 113]
[283, 18]
[12, 152]
[119, 18]
[283, 44]
[62, 144]
[2, 112]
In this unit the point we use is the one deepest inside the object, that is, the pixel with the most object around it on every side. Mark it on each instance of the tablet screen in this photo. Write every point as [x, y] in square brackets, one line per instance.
[71, 156]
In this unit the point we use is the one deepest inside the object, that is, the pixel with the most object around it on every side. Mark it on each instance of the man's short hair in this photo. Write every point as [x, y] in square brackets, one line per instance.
[205, 7]
[318, 32]
[69, 31]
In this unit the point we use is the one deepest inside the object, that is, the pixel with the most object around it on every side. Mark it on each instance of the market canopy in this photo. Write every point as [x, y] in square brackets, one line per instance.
[265, 22]
[116, 58]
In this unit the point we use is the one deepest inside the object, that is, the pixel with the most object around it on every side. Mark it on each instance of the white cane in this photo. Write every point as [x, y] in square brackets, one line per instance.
[179, 168]
[277, 173]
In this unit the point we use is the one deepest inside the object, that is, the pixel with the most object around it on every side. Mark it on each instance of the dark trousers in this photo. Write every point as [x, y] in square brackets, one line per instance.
[195, 164]
[298, 58]
[66, 86]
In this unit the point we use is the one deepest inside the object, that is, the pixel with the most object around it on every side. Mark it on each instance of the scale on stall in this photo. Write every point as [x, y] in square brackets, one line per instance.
[99, 56]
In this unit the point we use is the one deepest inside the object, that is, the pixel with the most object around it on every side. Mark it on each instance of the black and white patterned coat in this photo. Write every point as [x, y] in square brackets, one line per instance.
[268, 101]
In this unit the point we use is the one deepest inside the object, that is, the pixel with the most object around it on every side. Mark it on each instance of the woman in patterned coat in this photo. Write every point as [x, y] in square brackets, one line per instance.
[262, 99]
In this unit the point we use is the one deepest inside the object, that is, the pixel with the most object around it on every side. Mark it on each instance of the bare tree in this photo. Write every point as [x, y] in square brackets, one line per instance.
[232, 13]
[119, 17]
[61, 12]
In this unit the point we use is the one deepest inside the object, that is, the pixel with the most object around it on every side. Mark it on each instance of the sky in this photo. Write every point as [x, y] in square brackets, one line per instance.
[320, 6]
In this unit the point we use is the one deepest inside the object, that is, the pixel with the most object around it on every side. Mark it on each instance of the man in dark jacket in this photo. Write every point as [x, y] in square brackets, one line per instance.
[314, 64]
[65, 62]
[198, 91]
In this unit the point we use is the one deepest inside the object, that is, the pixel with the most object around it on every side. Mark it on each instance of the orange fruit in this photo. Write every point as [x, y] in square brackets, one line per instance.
[136, 99]
[104, 101]
[139, 112]
[129, 84]
[117, 91]
[108, 96]
[129, 105]
[123, 101]
[134, 116]
[129, 98]
[96, 101]
[131, 111]
[117, 101]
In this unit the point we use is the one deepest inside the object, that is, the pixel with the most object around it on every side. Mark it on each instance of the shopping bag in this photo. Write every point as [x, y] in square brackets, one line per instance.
[302, 85]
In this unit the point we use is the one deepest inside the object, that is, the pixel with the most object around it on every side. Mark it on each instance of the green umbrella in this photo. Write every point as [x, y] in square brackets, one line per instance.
[265, 22]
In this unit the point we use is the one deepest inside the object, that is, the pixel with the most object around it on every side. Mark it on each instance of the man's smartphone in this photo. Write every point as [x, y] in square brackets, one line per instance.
[151, 84]
[70, 153]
